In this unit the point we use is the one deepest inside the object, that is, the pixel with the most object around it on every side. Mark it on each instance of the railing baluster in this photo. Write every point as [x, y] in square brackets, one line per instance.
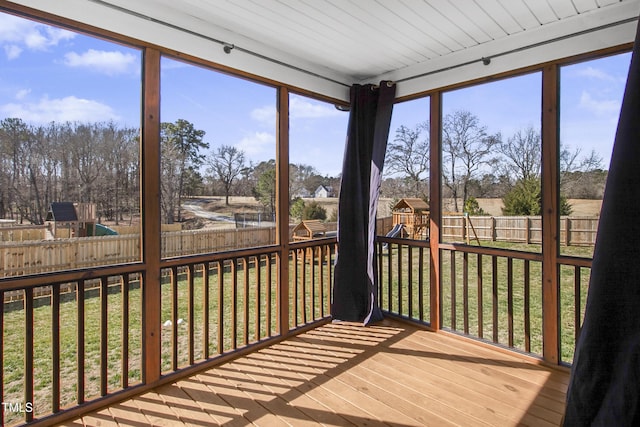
[220, 270]
[312, 281]
[400, 281]
[28, 350]
[465, 291]
[55, 347]
[480, 297]
[205, 310]
[234, 304]
[269, 300]
[104, 336]
[321, 250]
[296, 284]
[452, 258]
[494, 277]
[124, 290]
[577, 282]
[258, 288]
[190, 312]
[174, 318]
[303, 296]
[80, 341]
[390, 277]
[421, 283]
[527, 306]
[245, 268]
[510, 299]
[410, 279]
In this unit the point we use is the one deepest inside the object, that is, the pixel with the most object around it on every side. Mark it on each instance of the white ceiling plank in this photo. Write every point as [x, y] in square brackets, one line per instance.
[500, 15]
[521, 13]
[606, 2]
[381, 37]
[443, 31]
[481, 18]
[563, 8]
[455, 14]
[542, 11]
[423, 31]
[585, 5]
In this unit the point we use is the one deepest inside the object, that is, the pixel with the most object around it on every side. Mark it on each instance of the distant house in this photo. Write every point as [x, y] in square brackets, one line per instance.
[302, 192]
[324, 191]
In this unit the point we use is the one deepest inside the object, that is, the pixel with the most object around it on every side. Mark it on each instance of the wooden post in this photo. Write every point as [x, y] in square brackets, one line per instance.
[435, 178]
[150, 213]
[493, 229]
[550, 210]
[282, 208]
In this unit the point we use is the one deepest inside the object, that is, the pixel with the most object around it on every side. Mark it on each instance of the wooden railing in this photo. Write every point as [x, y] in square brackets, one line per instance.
[81, 346]
[80, 343]
[490, 294]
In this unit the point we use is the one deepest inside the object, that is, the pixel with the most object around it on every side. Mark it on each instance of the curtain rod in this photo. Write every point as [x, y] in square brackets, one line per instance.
[388, 82]
[487, 59]
[225, 45]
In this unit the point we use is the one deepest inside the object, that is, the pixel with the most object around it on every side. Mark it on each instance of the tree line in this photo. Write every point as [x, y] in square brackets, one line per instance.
[99, 163]
[478, 164]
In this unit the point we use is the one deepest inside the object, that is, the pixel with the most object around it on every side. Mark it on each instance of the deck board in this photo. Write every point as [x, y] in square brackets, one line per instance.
[341, 374]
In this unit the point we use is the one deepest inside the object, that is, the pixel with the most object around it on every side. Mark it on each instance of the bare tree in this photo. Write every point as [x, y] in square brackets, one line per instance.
[408, 155]
[581, 177]
[466, 149]
[522, 155]
[226, 165]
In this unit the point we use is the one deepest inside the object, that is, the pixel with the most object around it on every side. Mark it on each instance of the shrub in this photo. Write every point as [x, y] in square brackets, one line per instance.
[314, 211]
[472, 207]
[526, 199]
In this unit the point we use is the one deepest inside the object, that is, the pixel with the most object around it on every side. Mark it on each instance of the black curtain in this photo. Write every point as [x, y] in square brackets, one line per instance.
[355, 276]
[604, 389]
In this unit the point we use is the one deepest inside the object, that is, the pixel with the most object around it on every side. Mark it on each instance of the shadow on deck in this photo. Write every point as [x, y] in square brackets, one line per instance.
[345, 374]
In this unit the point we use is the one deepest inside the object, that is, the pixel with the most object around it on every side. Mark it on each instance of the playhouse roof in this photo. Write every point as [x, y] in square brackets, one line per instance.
[414, 204]
[62, 212]
[312, 226]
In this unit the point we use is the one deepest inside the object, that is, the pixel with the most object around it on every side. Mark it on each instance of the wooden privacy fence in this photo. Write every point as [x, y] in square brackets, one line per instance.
[39, 256]
[574, 231]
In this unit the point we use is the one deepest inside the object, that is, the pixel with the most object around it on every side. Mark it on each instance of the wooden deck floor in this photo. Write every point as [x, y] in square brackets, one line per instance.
[343, 374]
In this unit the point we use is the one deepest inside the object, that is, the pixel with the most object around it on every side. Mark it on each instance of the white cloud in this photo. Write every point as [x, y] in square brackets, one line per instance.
[65, 109]
[22, 93]
[596, 73]
[12, 51]
[600, 107]
[258, 144]
[107, 62]
[265, 115]
[18, 33]
[299, 108]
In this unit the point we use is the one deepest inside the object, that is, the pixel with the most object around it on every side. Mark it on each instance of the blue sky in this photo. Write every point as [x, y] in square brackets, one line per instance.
[48, 74]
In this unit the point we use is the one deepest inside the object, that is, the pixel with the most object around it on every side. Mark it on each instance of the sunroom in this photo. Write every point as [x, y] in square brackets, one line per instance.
[196, 134]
